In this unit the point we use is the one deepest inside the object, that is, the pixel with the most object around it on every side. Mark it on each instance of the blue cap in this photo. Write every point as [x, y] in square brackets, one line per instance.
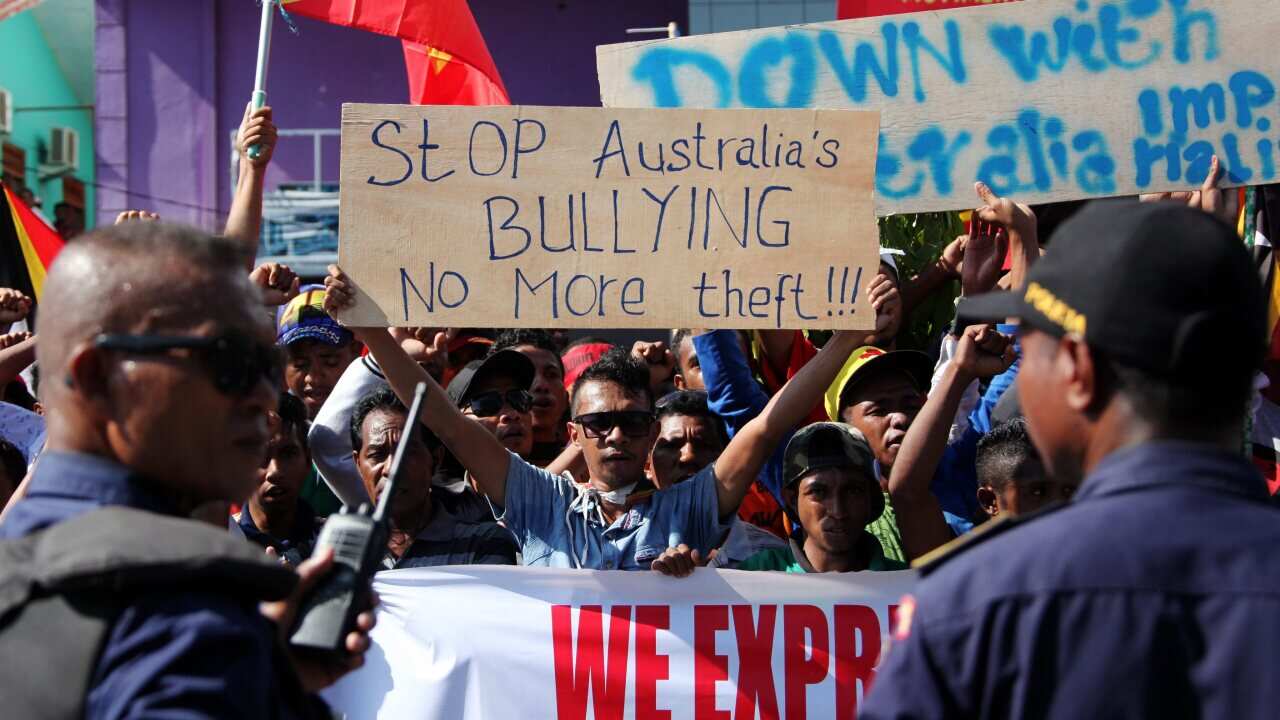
[304, 318]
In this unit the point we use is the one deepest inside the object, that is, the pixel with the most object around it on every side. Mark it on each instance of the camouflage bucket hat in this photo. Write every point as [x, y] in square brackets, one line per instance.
[827, 445]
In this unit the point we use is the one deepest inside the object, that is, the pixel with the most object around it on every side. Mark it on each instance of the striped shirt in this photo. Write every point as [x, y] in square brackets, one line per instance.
[449, 541]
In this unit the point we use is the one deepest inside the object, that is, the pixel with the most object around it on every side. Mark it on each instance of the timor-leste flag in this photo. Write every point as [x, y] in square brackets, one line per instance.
[27, 246]
[446, 58]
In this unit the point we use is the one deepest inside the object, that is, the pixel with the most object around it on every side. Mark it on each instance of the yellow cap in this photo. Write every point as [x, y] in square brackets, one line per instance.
[916, 364]
[856, 360]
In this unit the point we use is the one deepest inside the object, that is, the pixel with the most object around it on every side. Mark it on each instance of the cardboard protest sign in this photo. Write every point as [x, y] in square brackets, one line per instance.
[621, 644]
[1046, 100]
[588, 217]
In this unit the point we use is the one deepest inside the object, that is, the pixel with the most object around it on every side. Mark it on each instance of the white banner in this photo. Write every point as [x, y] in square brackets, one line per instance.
[500, 642]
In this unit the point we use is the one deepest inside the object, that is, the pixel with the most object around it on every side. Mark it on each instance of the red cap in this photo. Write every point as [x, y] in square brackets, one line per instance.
[579, 358]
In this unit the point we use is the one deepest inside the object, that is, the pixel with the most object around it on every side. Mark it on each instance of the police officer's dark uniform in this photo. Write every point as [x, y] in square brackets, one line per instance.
[1156, 592]
[114, 602]
[173, 644]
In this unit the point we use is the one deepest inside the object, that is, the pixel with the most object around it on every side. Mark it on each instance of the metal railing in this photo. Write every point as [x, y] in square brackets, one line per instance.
[317, 136]
[299, 219]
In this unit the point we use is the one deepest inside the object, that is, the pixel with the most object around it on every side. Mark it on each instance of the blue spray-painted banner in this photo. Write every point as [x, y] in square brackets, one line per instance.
[589, 217]
[1048, 100]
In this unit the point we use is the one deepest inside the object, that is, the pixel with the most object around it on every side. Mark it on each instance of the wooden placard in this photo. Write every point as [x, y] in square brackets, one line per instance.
[1044, 100]
[592, 217]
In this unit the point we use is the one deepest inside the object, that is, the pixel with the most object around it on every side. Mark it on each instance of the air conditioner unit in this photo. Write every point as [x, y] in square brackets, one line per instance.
[6, 111]
[64, 148]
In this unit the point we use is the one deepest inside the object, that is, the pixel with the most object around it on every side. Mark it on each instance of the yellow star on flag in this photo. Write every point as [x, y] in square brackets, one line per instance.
[439, 59]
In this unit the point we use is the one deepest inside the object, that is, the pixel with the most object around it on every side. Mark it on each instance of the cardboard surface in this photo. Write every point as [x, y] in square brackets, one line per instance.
[1044, 100]
[592, 217]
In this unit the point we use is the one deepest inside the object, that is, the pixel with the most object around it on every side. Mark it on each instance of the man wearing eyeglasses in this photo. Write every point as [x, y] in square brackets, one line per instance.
[604, 525]
[159, 371]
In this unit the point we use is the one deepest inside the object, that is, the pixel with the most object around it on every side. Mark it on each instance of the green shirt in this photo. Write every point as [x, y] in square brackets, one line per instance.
[885, 529]
[791, 559]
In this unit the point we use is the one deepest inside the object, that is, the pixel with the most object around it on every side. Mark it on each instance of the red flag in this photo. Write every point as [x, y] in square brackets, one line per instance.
[13, 7]
[438, 78]
[847, 9]
[445, 54]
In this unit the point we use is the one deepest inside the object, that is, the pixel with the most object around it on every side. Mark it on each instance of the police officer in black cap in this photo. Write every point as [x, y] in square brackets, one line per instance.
[1156, 592]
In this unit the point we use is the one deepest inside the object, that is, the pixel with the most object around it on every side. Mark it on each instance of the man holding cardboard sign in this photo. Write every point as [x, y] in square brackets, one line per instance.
[583, 217]
[611, 523]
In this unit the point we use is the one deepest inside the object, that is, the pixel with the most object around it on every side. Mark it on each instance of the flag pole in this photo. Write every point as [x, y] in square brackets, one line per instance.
[264, 58]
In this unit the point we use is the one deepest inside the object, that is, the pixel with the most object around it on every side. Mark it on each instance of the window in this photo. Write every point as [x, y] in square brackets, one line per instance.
[710, 16]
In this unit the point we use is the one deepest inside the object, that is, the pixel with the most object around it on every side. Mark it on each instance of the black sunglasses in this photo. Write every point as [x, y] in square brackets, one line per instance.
[632, 423]
[234, 362]
[488, 404]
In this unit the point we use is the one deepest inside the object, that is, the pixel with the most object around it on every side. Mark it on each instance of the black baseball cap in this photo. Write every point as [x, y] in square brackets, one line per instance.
[1157, 286]
[503, 362]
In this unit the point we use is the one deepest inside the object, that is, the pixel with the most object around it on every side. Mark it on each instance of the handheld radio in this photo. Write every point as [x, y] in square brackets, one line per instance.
[359, 541]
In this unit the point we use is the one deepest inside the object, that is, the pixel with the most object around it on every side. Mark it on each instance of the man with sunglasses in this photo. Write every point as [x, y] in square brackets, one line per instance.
[494, 394]
[604, 525]
[159, 371]
[550, 396]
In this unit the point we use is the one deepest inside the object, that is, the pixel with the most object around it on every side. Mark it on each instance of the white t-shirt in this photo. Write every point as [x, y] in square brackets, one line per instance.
[330, 435]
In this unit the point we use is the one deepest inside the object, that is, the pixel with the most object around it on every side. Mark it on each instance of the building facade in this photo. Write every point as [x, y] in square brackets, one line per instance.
[47, 111]
[712, 16]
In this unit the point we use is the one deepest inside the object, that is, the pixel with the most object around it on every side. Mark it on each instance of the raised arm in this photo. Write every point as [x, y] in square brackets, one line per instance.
[14, 306]
[731, 391]
[278, 283]
[330, 436]
[980, 352]
[244, 221]
[1019, 223]
[478, 451]
[17, 352]
[740, 463]
[933, 276]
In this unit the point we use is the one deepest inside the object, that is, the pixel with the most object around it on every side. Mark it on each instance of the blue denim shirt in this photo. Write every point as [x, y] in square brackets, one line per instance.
[558, 524]
[1155, 593]
[173, 653]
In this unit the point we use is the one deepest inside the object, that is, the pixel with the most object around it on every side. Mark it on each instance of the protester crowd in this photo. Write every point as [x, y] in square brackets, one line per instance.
[163, 372]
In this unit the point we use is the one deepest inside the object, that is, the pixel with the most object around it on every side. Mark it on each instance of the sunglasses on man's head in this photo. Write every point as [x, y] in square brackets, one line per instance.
[234, 362]
[632, 423]
[488, 404]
